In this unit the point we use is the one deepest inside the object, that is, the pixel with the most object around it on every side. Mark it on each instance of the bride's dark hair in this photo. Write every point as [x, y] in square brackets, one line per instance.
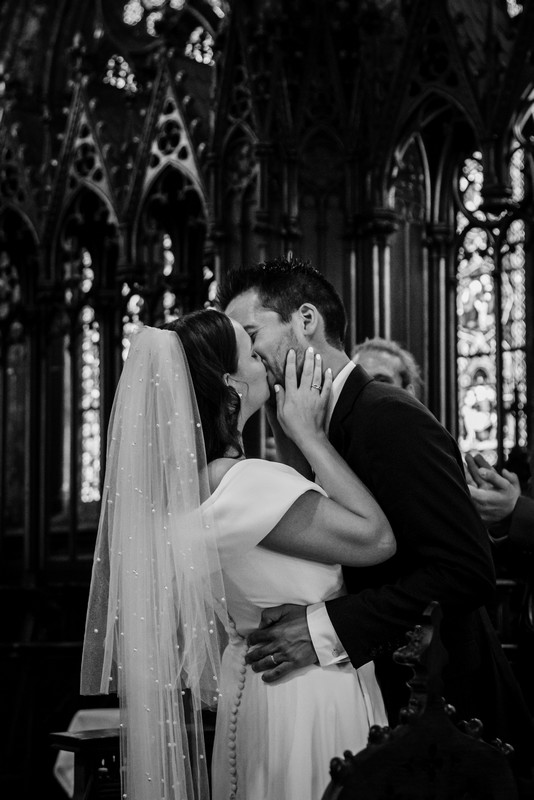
[209, 341]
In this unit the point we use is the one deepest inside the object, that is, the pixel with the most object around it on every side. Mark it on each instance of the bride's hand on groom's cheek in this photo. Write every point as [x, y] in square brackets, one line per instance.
[282, 643]
[301, 405]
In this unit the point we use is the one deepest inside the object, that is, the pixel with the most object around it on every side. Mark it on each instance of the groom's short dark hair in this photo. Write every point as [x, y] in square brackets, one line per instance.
[283, 285]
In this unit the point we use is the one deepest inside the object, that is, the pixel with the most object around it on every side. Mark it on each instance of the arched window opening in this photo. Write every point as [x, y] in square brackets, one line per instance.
[90, 439]
[491, 313]
[135, 309]
[76, 357]
[406, 279]
[84, 370]
[87, 251]
[17, 263]
[170, 248]
[15, 383]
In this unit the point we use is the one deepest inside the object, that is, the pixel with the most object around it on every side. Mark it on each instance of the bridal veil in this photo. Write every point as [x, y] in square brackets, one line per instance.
[156, 613]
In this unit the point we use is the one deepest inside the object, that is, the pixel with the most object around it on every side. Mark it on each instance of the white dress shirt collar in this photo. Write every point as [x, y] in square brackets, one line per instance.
[337, 387]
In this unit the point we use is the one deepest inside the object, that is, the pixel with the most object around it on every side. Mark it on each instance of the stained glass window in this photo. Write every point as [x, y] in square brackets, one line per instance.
[15, 399]
[149, 13]
[200, 46]
[90, 407]
[89, 389]
[210, 281]
[165, 305]
[131, 317]
[169, 297]
[13, 404]
[81, 394]
[490, 298]
[514, 8]
[10, 294]
[120, 75]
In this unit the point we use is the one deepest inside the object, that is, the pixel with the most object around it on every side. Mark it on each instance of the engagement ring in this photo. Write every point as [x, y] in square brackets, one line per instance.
[315, 386]
[274, 660]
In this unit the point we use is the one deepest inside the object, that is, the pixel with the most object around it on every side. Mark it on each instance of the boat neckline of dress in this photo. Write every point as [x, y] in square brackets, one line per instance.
[238, 463]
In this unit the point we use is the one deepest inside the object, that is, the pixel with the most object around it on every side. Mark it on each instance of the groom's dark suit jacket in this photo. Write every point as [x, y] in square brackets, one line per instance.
[413, 467]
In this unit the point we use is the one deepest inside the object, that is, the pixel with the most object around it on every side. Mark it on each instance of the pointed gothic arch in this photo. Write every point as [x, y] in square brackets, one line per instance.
[169, 237]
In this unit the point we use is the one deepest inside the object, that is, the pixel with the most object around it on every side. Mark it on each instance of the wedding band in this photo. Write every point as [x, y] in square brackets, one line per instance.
[315, 386]
[274, 660]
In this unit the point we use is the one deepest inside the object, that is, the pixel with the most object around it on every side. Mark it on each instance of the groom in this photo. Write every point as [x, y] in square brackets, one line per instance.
[414, 469]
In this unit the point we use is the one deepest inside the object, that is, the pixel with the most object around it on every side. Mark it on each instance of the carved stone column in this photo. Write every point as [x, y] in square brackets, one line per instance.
[373, 296]
[439, 367]
[262, 226]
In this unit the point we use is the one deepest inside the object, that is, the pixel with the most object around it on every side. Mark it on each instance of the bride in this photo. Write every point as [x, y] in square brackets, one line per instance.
[194, 541]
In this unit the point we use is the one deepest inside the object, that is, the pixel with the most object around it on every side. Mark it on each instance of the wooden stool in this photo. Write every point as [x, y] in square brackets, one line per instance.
[96, 762]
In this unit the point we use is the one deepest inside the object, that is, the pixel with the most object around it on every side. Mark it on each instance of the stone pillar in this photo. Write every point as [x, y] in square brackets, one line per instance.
[373, 296]
[439, 367]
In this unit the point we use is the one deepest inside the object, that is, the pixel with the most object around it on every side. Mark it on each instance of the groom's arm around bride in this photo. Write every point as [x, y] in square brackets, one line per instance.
[413, 467]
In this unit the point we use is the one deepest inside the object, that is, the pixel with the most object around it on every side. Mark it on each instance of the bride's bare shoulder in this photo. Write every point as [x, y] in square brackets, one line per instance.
[217, 469]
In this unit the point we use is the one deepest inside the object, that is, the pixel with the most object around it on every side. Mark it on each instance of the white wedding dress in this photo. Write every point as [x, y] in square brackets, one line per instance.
[275, 741]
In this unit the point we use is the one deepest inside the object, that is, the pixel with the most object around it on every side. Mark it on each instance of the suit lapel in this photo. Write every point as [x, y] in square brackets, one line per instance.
[352, 389]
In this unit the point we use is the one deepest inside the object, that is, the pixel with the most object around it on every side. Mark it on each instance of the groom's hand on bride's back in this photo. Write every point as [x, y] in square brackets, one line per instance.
[282, 642]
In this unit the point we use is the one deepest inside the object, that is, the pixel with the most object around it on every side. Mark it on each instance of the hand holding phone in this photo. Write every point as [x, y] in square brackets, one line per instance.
[493, 494]
[474, 465]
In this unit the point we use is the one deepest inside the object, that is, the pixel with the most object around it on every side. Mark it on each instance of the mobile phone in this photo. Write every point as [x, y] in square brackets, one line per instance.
[474, 464]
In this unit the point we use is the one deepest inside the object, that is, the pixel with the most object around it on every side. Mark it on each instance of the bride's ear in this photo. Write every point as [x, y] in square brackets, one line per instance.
[229, 381]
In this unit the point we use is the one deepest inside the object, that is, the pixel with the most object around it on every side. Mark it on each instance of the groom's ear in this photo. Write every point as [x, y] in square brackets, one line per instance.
[310, 318]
